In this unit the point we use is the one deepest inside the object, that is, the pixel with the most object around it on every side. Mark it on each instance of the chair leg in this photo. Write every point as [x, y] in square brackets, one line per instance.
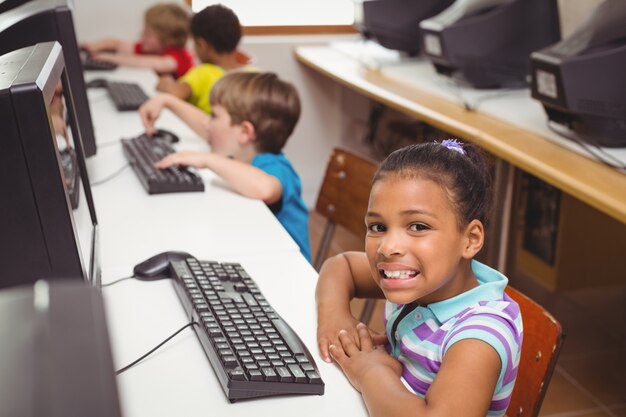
[368, 310]
[327, 236]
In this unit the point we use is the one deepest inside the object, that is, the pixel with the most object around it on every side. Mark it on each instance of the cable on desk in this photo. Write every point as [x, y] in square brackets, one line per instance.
[594, 150]
[135, 362]
[108, 284]
[454, 86]
[110, 177]
[109, 143]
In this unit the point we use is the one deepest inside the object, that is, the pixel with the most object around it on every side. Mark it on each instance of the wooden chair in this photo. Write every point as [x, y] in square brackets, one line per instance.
[343, 200]
[543, 337]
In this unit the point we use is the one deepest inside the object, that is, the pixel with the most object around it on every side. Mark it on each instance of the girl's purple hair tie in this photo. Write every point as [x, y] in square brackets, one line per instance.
[453, 144]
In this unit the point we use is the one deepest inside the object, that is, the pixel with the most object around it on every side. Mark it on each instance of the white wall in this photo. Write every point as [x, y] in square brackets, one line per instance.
[95, 19]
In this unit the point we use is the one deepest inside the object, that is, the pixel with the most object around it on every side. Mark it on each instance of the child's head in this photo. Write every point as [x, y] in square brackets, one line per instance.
[166, 25]
[217, 27]
[269, 105]
[461, 169]
[426, 215]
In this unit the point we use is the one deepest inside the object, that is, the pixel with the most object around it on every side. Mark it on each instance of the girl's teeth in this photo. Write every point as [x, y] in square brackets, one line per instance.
[399, 274]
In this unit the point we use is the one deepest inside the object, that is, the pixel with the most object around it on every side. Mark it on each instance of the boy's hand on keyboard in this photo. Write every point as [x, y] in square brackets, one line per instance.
[185, 158]
[106, 56]
[150, 112]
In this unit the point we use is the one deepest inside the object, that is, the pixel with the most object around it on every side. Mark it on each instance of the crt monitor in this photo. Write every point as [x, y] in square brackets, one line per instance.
[51, 20]
[42, 236]
[395, 23]
[580, 80]
[487, 43]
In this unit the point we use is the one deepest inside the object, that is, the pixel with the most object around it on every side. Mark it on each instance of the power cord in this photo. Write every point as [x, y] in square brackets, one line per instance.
[594, 150]
[110, 177]
[135, 362]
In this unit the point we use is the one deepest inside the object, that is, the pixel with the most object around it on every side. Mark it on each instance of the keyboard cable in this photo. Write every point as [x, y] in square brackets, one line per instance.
[110, 177]
[136, 361]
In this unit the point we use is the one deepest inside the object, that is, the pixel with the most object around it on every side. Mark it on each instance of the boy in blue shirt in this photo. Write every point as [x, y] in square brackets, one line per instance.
[252, 116]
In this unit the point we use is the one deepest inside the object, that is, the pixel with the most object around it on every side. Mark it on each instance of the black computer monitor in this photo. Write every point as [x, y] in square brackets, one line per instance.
[395, 23]
[38, 21]
[42, 236]
[56, 358]
[487, 43]
[580, 80]
[10, 4]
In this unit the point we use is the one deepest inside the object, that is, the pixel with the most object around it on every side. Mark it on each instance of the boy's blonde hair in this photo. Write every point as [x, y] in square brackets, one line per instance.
[170, 22]
[261, 98]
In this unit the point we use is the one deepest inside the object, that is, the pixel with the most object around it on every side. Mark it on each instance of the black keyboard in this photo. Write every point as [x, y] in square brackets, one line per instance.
[90, 63]
[142, 152]
[98, 65]
[126, 96]
[253, 351]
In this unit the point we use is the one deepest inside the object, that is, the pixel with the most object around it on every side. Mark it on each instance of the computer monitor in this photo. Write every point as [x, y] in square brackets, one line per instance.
[38, 21]
[42, 236]
[580, 80]
[10, 4]
[487, 43]
[395, 23]
[56, 358]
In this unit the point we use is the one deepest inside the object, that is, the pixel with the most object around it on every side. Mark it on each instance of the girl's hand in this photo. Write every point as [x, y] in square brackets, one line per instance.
[362, 359]
[328, 326]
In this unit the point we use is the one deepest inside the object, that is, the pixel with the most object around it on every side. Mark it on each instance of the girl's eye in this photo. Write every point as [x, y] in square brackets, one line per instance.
[418, 227]
[375, 228]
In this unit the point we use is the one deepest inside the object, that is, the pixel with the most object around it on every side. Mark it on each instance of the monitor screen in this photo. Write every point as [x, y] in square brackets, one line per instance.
[38, 21]
[43, 236]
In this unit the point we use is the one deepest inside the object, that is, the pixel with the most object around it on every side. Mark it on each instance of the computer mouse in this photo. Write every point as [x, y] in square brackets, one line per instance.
[166, 135]
[158, 266]
[97, 83]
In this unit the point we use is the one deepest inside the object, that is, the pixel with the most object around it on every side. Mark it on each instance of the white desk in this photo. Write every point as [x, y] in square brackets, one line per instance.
[218, 224]
[177, 380]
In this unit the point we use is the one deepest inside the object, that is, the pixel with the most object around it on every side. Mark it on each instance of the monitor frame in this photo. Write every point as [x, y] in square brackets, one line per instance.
[41, 239]
[39, 21]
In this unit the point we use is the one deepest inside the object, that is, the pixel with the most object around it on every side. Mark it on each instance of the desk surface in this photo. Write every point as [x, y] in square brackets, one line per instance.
[218, 224]
[177, 380]
[409, 88]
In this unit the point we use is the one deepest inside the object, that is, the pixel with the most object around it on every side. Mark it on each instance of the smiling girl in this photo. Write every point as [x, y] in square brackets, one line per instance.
[453, 337]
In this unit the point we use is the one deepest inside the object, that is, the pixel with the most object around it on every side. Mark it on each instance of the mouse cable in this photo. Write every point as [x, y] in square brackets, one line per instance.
[108, 284]
[135, 362]
[110, 177]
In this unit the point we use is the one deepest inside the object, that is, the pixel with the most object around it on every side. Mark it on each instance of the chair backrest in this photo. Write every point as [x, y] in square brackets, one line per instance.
[543, 337]
[344, 196]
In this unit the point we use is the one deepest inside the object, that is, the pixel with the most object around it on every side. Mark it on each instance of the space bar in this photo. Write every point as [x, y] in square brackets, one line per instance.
[292, 339]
